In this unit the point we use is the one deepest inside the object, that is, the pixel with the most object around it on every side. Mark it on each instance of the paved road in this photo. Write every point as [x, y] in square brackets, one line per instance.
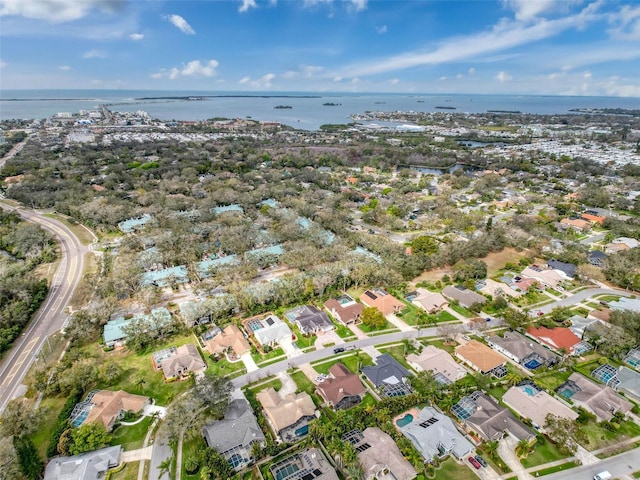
[51, 316]
[593, 239]
[623, 464]
[161, 452]
[13, 151]
[579, 297]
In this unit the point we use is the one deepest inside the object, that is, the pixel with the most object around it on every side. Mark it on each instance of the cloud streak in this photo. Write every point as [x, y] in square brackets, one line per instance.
[56, 11]
[181, 24]
[247, 5]
[194, 68]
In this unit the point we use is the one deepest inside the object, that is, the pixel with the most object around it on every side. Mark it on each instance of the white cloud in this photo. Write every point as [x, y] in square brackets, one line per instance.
[94, 53]
[626, 23]
[64, 68]
[264, 81]
[359, 5]
[310, 70]
[355, 81]
[471, 71]
[503, 76]
[354, 5]
[3, 64]
[194, 68]
[181, 23]
[381, 30]
[529, 9]
[136, 36]
[459, 76]
[587, 74]
[246, 5]
[443, 78]
[505, 35]
[394, 81]
[244, 80]
[56, 11]
[337, 79]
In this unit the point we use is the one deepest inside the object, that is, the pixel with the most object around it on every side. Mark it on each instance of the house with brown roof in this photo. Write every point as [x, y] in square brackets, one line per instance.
[600, 400]
[230, 341]
[381, 300]
[480, 357]
[593, 218]
[430, 302]
[444, 368]
[550, 278]
[179, 362]
[107, 406]
[344, 309]
[379, 456]
[576, 224]
[343, 389]
[534, 404]
[465, 297]
[603, 315]
[526, 284]
[289, 416]
[557, 338]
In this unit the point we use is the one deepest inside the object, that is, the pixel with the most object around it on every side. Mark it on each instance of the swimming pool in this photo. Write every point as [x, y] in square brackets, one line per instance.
[529, 390]
[404, 421]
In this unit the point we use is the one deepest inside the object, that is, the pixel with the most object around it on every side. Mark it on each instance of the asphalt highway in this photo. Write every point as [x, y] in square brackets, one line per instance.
[52, 314]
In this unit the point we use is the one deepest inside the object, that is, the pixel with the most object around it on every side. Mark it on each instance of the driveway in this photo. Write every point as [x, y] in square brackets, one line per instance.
[249, 364]
[397, 322]
[161, 452]
[506, 450]
[326, 338]
[289, 348]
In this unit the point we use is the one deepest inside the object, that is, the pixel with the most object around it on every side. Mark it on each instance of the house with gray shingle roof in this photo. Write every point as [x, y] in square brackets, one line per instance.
[310, 319]
[234, 435]
[86, 466]
[388, 375]
[463, 296]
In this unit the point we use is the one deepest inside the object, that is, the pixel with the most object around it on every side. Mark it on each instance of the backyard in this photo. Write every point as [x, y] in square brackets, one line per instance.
[131, 437]
[450, 469]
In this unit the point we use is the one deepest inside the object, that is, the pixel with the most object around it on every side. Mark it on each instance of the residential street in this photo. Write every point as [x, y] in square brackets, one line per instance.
[52, 313]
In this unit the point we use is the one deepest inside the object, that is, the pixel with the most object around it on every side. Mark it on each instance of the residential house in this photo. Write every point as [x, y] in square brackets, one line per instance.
[434, 435]
[179, 362]
[535, 404]
[580, 324]
[633, 358]
[557, 338]
[86, 466]
[597, 258]
[564, 269]
[465, 297]
[290, 416]
[268, 330]
[628, 383]
[444, 368]
[600, 400]
[235, 435]
[604, 314]
[379, 456]
[165, 277]
[310, 320]
[481, 358]
[388, 376]
[115, 330]
[575, 224]
[343, 389]
[133, 224]
[304, 465]
[525, 284]
[624, 303]
[107, 407]
[522, 350]
[344, 309]
[483, 415]
[230, 342]
[430, 302]
[497, 289]
[626, 241]
[381, 300]
[593, 218]
[549, 278]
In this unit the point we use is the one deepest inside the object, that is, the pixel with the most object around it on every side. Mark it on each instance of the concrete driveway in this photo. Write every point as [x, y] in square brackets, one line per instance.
[326, 338]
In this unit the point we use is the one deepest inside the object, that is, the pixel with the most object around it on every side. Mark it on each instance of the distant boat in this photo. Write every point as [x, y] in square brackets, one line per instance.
[280, 107]
[445, 108]
[420, 101]
[379, 103]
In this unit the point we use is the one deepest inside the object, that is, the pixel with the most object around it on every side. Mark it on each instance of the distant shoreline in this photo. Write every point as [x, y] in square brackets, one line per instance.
[191, 97]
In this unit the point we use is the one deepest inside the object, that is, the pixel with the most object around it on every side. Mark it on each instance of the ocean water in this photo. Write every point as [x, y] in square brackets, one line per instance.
[307, 112]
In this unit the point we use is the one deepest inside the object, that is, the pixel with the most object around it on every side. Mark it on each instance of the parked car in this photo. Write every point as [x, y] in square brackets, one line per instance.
[338, 350]
[603, 303]
[540, 313]
[349, 348]
[475, 463]
[481, 460]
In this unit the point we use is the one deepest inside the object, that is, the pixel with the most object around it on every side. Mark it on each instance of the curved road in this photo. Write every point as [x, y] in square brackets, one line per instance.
[51, 316]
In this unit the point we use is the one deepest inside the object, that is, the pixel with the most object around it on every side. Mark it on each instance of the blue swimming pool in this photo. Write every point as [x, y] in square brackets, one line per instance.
[529, 390]
[532, 364]
[404, 421]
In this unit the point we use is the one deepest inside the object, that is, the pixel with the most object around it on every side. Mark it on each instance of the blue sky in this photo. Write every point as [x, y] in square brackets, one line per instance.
[567, 47]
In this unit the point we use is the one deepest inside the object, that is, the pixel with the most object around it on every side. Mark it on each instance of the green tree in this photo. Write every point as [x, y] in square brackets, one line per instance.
[372, 318]
[89, 437]
[30, 462]
[424, 245]
[469, 269]
[565, 433]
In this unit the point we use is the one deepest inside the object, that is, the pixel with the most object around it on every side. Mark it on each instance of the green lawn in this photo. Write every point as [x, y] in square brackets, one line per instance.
[441, 345]
[498, 391]
[462, 311]
[303, 341]
[344, 332]
[303, 383]
[607, 298]
[542, 454]
[413, 315]
[557, 468]
[129, 472]
[449, 470]
[41, 437]
[276, 384]
[367, 329]
[190, 449]
[131, 437]
[349, 361]
[224, 367]
[398, 352]
[258, 357]
[600, 437]
[552, 379]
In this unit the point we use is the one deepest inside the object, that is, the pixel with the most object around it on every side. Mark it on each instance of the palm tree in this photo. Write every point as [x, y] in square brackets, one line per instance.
[165, 467]
[523, 447]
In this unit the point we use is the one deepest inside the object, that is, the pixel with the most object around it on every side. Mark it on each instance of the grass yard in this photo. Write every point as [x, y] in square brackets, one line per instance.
[131, 437]
[129, 472]
[600, 437]
[557, 468]
[607, 298]
[542, 454]
[344, 332]
[450, 469]
[303, 383]
[224, 367]
[498, 391]
[398, 352]
[462, 311]
[349, 361]
[551, 380]
[441, 345]
[52, 407]
[276, 384]
[532, 297]
[367, 329]
[190, 449]
[303, 341]
[258, 357]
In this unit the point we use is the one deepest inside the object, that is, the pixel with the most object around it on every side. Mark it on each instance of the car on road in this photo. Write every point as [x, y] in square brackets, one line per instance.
[604, 303]
[475, 463]
[349, 348]
[481, 460]
[540, 313]
[338, 350]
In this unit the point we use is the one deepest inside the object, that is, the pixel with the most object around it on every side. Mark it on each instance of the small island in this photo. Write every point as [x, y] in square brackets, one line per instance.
[282, 106]
[331, 104]
[445, 108]
[517, 112]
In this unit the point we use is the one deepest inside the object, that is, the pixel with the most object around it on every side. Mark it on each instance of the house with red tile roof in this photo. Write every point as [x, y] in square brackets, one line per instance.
[593, 218]
[558, 338]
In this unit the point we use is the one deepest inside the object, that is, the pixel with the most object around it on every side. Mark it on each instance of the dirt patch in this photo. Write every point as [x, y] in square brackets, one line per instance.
[433, 275]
